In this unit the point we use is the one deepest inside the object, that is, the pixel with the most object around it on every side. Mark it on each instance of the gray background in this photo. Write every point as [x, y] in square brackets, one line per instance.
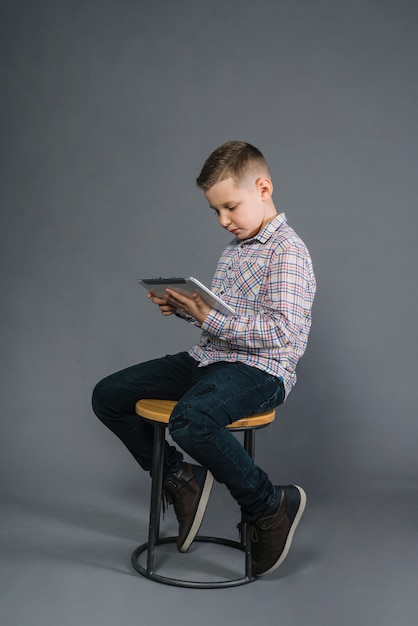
[108, 111]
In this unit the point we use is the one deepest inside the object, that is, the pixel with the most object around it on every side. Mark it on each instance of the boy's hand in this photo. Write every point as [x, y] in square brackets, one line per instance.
[162, 303]
[194, 306]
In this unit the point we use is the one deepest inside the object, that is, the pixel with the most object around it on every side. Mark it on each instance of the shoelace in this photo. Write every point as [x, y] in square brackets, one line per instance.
[253, 530]
[165, 502]
[167, 497]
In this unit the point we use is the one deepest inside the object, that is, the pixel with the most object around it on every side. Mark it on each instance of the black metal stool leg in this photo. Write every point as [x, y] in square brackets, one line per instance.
[156, 494]
[249, 442]
[249, 446]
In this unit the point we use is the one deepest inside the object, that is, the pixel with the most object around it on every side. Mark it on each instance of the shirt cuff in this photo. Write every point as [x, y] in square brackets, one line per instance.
[188, 318]
[214, 322]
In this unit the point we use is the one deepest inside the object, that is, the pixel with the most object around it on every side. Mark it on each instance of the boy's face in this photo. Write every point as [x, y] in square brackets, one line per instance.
[244, 208]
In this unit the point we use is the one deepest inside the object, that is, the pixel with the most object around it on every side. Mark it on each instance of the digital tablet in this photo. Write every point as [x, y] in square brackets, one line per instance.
[186, 286]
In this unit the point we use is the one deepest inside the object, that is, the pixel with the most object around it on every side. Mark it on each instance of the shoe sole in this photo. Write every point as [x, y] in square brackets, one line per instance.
[200, 512]
[289, 539]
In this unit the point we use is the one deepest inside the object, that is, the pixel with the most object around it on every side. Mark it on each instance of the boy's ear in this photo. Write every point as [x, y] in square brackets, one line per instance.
[265, 187]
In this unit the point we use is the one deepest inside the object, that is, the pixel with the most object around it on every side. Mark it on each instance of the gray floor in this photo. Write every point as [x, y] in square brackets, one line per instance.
[67, 562]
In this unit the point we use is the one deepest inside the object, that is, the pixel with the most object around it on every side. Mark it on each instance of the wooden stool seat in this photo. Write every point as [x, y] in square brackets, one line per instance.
[158, 412]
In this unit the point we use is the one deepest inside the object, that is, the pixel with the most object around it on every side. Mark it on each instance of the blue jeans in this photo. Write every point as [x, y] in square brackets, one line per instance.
[209, 398]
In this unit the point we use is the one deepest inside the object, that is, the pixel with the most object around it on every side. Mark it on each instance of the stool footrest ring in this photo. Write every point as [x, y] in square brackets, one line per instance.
[177, 582]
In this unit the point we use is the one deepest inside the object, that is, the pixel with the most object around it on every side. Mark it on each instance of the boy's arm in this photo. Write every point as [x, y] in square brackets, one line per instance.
[168, 308]
[188, 318]
[284, 310]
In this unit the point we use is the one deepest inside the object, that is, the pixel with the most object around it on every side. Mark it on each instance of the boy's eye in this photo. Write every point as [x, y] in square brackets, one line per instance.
[227, 208]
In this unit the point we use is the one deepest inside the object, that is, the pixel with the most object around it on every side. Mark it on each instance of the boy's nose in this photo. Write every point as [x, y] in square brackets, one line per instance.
[224, 220]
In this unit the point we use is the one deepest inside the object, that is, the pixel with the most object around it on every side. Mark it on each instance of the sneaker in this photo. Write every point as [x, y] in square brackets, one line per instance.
[271, 537]
[188, 491]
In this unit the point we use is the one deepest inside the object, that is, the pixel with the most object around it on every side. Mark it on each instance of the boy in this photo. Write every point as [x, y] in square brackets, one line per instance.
[243, 364]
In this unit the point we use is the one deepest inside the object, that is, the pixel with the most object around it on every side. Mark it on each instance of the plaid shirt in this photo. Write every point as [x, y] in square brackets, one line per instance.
[270, 283]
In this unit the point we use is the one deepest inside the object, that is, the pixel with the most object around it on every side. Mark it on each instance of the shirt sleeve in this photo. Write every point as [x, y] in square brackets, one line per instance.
[282, 309]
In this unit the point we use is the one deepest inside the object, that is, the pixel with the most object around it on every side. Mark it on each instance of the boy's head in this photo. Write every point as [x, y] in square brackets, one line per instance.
[234, 159]
[236, 183]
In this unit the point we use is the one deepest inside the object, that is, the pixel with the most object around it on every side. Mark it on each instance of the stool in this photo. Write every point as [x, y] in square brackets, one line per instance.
[158, 412]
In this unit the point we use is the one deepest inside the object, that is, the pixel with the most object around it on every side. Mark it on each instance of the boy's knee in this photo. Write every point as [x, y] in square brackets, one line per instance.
[100, 397]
